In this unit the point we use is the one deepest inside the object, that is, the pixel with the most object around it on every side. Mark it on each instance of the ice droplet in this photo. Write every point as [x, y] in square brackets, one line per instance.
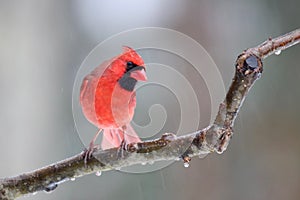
[251, 63]
[118, 168]
[143, 163]
[98, 173]
[278, 52]
[186, 164]
[177, 159]
[72, 179]
[202, 155]
[49, 188]
[34, 193]
[151, 162]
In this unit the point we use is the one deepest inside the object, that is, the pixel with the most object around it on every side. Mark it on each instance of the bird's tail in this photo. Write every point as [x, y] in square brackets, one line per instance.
[113, 137]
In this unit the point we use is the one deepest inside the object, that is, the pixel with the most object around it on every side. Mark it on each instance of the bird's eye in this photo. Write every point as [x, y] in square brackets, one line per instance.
[130, 65]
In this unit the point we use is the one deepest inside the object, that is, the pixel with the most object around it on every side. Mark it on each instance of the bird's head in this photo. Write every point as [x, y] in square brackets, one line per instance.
[130, 68]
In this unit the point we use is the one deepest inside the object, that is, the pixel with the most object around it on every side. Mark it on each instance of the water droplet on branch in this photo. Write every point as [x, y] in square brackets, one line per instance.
[186, 164]
[251, 63]
[278, 52]
[98, 173]
[203, 155]
[49, 188]
[151, 162]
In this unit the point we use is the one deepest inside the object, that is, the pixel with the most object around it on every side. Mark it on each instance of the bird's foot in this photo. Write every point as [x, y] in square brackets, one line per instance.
[88, 153]
[92, 148]
[123, 149]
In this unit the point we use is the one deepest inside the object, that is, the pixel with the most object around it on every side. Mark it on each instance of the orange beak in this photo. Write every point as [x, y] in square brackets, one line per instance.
[139, 75]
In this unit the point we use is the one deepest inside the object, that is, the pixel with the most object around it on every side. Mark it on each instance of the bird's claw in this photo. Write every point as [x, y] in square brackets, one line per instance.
[123, 149]
[88, 153]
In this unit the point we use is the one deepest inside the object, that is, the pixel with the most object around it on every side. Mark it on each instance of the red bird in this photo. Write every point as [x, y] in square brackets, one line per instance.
[108, 98]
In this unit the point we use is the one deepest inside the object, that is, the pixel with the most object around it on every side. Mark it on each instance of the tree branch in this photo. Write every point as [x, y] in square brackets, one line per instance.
[214, 138]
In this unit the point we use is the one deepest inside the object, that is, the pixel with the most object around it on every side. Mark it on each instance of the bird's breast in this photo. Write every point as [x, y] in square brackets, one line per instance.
[114, 106]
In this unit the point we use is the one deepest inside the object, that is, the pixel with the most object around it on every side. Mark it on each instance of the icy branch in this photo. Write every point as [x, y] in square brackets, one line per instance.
[214, 138]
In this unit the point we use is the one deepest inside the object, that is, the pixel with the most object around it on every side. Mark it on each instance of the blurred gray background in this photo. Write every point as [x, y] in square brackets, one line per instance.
[43, 43]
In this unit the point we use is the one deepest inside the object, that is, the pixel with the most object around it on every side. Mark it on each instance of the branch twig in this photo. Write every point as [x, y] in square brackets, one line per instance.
[214, 138]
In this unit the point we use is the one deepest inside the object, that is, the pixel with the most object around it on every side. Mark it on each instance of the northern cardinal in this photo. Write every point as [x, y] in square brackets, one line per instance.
[108, 99]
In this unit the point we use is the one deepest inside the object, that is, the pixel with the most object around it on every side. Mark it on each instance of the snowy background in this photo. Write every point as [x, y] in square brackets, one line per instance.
[43, 43]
